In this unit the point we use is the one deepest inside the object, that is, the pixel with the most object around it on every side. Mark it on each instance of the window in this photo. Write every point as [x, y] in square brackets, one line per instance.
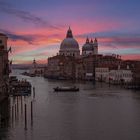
[0, 41]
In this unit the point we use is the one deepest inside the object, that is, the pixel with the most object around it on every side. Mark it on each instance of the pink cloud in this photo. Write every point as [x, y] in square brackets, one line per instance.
[131, 57]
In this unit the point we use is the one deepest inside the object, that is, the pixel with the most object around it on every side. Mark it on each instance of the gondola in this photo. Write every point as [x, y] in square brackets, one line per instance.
[63, 89]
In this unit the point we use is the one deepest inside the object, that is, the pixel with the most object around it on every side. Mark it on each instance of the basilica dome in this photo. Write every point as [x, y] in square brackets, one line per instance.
[69, 45]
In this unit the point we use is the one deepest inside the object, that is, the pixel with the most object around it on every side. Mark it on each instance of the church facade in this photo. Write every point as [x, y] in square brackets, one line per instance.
[69, 63]
[89, 65]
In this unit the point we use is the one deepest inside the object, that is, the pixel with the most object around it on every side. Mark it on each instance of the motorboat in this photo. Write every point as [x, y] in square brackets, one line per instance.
[73, 89]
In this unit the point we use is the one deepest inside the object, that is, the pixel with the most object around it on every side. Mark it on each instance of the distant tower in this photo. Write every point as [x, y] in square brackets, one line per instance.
[33, 69]
[34, 64]
[95, 44]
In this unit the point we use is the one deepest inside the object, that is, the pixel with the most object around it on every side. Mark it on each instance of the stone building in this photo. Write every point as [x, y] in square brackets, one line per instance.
[105, 64]
[79, 70]
[61, 67]
[134, 66]
[89, 64]
[4, 66]
[120, 76]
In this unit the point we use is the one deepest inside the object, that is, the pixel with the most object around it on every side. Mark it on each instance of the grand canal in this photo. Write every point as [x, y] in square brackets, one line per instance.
[94, 113]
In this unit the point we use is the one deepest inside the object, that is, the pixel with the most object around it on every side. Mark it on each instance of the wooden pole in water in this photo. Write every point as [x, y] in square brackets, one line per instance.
[21, 105]
[17, 105]
[25, 109]
[31, 113]
[12, 113]
[15, 111]
[33, 92]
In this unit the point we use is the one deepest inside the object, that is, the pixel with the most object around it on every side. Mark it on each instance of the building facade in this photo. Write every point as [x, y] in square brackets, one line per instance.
[120, 76]
[61, 67]
[4, 66]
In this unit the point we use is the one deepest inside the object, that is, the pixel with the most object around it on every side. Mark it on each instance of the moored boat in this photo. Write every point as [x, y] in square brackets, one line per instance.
[20, 88]
[73, 89]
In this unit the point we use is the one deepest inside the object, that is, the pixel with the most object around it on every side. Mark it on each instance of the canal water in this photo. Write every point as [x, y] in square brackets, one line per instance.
[94, 113]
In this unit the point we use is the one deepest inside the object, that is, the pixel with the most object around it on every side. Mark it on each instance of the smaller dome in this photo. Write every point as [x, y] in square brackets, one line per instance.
[87, 47]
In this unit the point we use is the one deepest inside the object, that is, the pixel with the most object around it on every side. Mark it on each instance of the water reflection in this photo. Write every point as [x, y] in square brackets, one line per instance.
[4, 118]
[96, 112]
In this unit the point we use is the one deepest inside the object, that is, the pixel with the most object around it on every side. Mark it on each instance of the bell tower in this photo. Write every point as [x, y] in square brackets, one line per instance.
[95, 44]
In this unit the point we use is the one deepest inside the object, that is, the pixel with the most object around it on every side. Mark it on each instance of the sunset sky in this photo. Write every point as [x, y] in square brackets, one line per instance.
[36, 27]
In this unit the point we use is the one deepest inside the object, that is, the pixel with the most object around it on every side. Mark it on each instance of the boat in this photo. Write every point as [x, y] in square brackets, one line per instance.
[73, 89]
[20, 88]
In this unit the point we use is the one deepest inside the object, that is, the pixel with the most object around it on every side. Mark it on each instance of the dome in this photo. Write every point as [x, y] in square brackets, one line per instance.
[69, 44]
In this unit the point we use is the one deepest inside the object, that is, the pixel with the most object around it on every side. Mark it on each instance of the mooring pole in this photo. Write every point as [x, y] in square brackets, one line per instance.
[33, 92]
[12, 113]
[17, 105]
[15, 112]
[25, 109]
[21, 105]
[31, 113]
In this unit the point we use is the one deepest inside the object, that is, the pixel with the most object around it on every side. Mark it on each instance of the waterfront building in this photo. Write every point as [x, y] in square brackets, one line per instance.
[105, 64]
[120, 76]
[61, 67]
[4, 66]
[114, 76]
[134, 66]
[102, 74]
[113, 70]
[79, 70]
[90, 62]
